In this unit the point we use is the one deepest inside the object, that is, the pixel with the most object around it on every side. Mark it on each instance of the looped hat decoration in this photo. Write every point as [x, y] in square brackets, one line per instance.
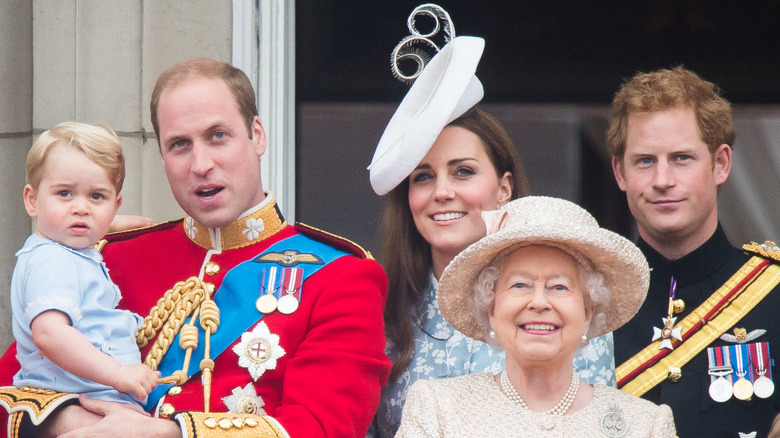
[443, 90]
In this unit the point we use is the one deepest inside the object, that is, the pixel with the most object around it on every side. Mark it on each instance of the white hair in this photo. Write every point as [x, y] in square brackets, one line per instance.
[595, 293]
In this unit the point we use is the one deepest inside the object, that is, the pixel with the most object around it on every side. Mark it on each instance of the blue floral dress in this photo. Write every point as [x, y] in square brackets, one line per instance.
[440, 351]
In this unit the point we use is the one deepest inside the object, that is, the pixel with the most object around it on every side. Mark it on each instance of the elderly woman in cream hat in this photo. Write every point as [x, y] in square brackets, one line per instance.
[548, 279]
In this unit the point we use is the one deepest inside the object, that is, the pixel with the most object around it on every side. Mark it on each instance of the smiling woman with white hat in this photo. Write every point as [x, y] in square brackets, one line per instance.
[543, 281]
[443, 162]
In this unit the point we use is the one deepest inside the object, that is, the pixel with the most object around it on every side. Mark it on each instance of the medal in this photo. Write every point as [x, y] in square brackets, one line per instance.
[743, 389]
[720, 372]
[763, 386]
[669, 332]
[291, 284]
[288, 304]
[267, 301]
[720, 389]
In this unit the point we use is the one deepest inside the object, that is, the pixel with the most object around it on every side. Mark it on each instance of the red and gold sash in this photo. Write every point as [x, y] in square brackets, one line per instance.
[724, 308]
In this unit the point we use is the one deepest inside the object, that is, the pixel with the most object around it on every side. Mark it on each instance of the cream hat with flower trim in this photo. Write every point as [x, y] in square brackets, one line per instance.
[539, 220]
[446, 88]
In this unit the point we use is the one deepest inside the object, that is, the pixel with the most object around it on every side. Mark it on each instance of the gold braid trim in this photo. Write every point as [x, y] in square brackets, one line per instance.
[768, 249]
[37, 403]
[169, 315]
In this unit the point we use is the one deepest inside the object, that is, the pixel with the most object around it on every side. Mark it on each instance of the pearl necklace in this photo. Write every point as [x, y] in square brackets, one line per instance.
[559, 410]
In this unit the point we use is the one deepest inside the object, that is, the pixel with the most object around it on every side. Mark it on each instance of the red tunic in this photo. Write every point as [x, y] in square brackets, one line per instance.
[327, 384]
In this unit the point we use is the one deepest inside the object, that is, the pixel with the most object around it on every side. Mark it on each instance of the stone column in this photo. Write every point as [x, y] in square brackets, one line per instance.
[15, 141]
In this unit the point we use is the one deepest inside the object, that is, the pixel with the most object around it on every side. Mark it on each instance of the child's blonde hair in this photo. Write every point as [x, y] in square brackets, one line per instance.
[99, 143]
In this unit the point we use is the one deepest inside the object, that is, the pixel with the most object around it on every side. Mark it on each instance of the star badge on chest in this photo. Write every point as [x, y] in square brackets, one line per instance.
[258, 350]
[245, 401]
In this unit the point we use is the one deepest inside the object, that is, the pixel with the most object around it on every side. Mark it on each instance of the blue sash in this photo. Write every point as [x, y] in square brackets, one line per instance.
[236, 301]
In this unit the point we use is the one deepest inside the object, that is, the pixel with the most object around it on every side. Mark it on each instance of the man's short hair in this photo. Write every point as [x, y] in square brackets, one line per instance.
[236, 81]
[99, 143]
[665, 90]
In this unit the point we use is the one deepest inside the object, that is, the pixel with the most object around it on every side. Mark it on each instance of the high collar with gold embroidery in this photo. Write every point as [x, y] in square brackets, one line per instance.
[261, 223]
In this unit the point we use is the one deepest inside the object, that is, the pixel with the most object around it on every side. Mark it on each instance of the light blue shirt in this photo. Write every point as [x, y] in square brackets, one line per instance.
[440, 351]
[51, 276]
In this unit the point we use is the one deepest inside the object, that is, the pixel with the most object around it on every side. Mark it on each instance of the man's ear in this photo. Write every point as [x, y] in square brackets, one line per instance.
[258, 136]
[617, 169]
[721, 163]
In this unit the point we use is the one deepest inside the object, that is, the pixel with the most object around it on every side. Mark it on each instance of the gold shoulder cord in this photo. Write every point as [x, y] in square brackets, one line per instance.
[186, 298]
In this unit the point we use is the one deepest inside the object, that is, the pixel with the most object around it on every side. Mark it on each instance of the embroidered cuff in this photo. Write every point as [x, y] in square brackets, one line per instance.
[216, 424]
[36, 403]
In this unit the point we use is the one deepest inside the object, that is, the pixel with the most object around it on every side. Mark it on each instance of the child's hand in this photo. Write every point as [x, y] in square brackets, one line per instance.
[138, 379]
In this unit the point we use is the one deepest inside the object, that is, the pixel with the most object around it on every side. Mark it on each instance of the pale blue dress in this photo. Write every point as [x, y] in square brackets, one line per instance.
[441, 351]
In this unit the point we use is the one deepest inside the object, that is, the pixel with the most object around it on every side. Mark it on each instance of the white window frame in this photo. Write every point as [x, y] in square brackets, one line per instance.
[264, 48]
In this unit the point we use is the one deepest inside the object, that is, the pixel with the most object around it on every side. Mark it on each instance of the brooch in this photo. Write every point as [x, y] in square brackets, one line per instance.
[613, 424]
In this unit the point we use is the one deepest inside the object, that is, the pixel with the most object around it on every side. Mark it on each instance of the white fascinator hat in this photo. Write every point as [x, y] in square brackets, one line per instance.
[444, 90]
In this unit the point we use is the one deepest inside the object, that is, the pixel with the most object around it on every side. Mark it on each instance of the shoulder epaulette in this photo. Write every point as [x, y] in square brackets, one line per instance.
[768, 249]
[121, 236]
[135, 232]
[334, 240]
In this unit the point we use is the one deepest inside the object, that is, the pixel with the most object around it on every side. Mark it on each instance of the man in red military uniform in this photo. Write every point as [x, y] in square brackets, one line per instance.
[265, 329]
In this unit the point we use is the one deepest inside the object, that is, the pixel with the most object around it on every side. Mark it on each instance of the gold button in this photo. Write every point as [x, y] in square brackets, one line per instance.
[210, 422]
[239, 423]
[211, 269]
[176, 390]
[166, 410]
[679, 306]
[224, 424]
[251, 422]
[675, 374]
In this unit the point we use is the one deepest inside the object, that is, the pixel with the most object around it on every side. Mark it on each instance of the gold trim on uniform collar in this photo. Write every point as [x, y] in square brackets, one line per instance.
[242, 232]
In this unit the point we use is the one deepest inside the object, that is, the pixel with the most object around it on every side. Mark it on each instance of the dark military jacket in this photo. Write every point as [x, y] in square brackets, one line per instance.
[698, 275]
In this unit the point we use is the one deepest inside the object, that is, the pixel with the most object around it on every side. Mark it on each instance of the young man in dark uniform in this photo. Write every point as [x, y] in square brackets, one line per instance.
[703, 339]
